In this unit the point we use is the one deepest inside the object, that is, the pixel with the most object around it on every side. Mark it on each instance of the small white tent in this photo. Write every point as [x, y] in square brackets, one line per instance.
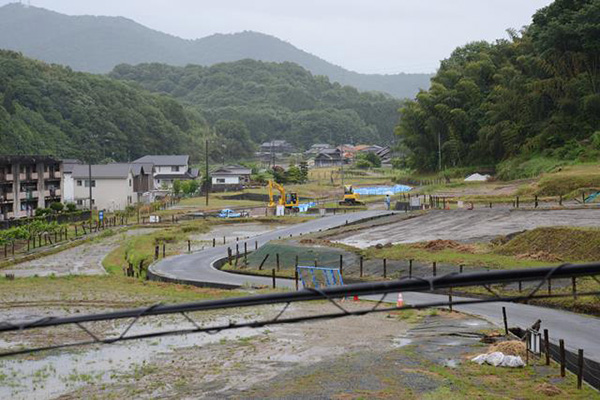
[477, 178]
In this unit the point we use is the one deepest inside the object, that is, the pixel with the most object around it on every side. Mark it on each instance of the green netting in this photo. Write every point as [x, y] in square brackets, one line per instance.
[326, 257]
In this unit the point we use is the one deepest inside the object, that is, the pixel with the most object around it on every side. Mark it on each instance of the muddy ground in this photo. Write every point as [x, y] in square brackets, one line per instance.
[467, 226]
[85, 259]
[377, 353]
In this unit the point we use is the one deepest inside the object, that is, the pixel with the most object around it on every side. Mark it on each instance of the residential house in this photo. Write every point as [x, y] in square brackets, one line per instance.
[112, 186]
[367, 148]
[385, 155]
[328, 158]
[143, 182]
[231, 177]
[316, 148]
[167, 169]
[277, 147]
[27, 183]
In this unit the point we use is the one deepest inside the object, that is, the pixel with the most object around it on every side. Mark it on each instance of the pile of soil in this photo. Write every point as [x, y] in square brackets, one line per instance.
[509, 347]
[548, 389]
[439, 244]
[539, 256]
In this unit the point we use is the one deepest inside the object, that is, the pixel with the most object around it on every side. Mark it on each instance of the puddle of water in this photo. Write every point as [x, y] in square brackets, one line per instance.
[401, 342]
[54, 375]
[451, 363]
[474, 322]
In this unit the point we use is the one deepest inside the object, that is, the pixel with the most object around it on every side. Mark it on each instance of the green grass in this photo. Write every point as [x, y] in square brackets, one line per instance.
[474, 381]
[566, 243]
[519, 168]
[140, 248]
[485, 258]
[108, 291]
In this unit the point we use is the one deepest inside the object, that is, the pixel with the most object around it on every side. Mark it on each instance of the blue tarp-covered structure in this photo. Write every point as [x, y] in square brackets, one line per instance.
[382, 190]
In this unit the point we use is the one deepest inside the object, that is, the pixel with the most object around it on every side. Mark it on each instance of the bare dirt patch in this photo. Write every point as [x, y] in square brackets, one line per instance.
[438, 245]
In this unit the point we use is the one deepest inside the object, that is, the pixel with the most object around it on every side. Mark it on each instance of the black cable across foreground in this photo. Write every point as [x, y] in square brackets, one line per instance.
[361, 289]
[278, 321]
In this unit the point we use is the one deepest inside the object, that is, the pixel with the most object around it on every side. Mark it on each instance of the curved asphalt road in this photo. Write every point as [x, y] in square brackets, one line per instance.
[578, 331]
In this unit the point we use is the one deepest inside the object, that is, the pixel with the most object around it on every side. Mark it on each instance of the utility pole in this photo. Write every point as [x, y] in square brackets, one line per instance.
[90, 185]
[439, 150]
[206, 180]
[342, 167]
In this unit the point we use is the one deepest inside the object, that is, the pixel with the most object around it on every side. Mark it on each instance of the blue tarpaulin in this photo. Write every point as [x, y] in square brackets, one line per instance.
[382, 190]
[303, 207]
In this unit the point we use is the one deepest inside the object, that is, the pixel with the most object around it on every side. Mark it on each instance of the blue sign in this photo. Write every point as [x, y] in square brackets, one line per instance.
[100, 215]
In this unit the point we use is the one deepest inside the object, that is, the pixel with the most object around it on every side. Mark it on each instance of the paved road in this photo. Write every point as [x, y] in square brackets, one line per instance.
[578, 331]
[197, 267]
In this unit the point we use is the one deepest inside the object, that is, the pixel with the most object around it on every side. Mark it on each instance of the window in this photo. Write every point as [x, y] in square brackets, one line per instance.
[79, 202]
[220, 180]
[175, 168]
[79, 183]
[87, 183]
[130, 183]
[129, 199]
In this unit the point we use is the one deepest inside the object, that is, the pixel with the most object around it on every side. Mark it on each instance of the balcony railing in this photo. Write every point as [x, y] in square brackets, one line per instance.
[46, 175]
[31, 194]
[9, 177]
[22, 177]
[34, 175]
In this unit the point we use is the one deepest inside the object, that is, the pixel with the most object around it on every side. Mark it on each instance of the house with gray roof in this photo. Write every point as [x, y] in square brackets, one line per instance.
[167, 169]
[112, 186]
[231, 177]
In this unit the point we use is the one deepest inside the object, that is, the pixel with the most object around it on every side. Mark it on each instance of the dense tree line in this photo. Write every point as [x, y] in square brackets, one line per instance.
[537, 93]
[273, 101]
[49, 109]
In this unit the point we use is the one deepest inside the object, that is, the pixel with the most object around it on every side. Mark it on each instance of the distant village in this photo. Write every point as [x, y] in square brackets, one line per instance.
[29, 183]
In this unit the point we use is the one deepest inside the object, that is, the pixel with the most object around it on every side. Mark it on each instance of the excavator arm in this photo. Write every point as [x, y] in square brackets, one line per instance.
[281, 190]
[292, 202]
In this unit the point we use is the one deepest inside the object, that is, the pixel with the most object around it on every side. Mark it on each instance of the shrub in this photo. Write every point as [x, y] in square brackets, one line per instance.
[71, 207]
[363, 164]
[57, 207]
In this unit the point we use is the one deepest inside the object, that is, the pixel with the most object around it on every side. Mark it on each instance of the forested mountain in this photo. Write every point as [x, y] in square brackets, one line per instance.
[97, 44]
[49, 109]
[274, 101]
[535, 94]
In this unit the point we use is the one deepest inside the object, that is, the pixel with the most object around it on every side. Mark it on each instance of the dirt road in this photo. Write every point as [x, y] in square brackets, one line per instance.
[468, 226]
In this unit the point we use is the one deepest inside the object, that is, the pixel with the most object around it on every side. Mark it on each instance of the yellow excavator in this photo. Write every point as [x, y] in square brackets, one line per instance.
[288, 200]
[350, 198]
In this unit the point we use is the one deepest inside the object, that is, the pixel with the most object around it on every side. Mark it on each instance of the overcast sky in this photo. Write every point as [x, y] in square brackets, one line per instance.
[369, 36]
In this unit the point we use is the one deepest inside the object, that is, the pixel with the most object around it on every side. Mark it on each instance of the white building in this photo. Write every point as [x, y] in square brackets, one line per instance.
[231, 177]
[67, 180]
[112, 186]
[168, 169]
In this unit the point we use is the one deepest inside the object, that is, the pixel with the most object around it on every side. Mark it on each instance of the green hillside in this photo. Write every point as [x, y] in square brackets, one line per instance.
[534, 95]
[49, 109]
[274, 101]
[98, 44]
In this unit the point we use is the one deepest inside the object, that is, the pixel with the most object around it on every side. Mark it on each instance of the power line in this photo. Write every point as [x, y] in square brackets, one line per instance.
[402, 285]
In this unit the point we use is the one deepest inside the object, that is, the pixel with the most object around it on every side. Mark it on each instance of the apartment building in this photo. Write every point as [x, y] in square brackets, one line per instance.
[28, 183]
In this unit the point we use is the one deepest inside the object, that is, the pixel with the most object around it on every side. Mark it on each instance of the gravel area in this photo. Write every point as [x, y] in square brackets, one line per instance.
[468, 226]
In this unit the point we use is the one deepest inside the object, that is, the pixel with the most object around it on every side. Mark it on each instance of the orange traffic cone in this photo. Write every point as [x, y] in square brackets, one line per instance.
[400, 302]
